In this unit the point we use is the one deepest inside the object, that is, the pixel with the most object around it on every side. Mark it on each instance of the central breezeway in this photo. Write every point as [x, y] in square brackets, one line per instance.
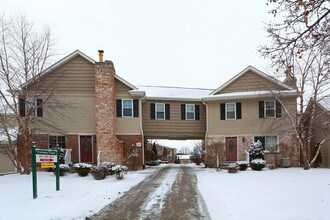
[170, 193]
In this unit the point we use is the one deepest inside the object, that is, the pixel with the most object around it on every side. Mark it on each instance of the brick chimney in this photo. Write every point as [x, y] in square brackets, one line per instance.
[106, 141]
[290, 80]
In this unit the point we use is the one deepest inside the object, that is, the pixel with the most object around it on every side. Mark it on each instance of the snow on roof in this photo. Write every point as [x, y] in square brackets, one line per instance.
[249, 94]
[163, 92]
[325, 102]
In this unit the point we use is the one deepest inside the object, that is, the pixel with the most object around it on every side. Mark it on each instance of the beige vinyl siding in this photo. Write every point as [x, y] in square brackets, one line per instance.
[6, 166]
[74, 77]
[250, 81]
[75, 114]
[321, 130]
[126, 125]
[250, 122]
[122, 90]
[175, 128]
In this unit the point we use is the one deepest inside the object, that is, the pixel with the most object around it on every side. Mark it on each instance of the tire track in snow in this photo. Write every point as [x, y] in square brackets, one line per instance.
[154, 203]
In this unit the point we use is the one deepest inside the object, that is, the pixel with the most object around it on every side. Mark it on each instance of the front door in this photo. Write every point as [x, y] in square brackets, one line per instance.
[86, 148]
[231, 148]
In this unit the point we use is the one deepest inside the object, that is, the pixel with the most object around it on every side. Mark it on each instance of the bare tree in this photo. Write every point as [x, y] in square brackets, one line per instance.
[300, 46]
[198, 153]
[24, 54]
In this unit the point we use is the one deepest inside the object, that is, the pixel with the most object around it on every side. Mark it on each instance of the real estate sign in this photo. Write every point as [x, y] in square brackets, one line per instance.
[46, 156]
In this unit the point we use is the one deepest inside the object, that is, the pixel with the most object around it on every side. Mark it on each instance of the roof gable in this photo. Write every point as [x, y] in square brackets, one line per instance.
[70, 57]
[250, 79]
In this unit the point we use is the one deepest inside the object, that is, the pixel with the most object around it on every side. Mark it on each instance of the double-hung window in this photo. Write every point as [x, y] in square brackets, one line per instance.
[269, 143]
[270, 108]
[55, 140]
[230, 111]
[160, 111]
[31, 106]
[190, 112]
[127, 107]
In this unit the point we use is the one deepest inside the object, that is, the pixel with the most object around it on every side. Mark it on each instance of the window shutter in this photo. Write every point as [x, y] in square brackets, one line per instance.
[183, 111]
[118, 107]
[39, 108]
[238, 110]
[261, 109]
[152, 111]
[167, 111]
[135, 108]
[196, 112]
[278, 109]
[22, 107]
[222, 111]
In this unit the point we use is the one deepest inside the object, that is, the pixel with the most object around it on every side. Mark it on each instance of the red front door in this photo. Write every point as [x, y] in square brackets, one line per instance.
[86, 148]
[231, 148]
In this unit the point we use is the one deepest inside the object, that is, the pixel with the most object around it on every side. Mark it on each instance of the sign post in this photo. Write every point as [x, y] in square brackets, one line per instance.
[57, 168]
[47, 158]
[34, 171]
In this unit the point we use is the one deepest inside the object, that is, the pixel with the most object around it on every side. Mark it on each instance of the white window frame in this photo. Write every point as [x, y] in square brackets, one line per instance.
[57, 140]
[226, 110]
[123, 107]
[267, 149]
[156, 115]
[193, 111]
[265, 107]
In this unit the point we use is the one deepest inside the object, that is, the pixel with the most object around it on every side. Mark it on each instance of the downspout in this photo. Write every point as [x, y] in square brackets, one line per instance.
[207, 117]
[207, 126]
[141, 127]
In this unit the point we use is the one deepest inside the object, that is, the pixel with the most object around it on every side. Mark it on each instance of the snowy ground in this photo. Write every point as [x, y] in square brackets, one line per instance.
[287, 193]
[78, 196]
[291, 193]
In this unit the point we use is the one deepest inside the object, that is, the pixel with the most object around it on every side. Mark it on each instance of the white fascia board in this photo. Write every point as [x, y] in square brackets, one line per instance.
[248, 95]
[138, 93]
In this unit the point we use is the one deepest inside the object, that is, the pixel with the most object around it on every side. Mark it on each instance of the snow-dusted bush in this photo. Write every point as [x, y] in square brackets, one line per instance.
[256, 151]
[109, 166]
[258, 164]
[118, 169]
[99, 172]
[81, 165]
[243, 165]
[64, 168]
[82, 168]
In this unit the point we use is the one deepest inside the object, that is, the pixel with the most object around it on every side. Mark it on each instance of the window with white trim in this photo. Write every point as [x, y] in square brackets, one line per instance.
[231, 110]
[54, 140]
[270, 107]
[190, 112]
[127, 107]
[269, 143]
[160, 111]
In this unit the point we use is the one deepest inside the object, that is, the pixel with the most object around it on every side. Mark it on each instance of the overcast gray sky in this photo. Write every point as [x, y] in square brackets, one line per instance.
[189, 43]
[186, 43]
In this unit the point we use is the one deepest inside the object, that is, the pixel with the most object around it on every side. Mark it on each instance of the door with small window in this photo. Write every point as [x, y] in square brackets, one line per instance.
[86, 148]
[231, 149]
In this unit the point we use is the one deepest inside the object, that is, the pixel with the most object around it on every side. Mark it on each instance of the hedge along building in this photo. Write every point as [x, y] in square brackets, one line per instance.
[102, 113]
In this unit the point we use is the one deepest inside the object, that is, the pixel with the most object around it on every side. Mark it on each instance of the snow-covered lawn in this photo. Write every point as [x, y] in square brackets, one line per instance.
[78, 196]
[290, 193]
